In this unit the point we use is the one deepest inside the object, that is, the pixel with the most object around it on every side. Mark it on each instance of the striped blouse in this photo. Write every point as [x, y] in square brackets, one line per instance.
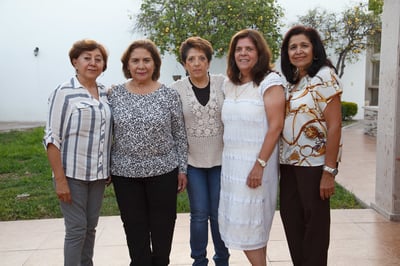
[81, 128]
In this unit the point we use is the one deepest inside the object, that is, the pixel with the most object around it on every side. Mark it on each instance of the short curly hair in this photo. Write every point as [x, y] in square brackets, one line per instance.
[87, 45]
[197, 43]
[149, 46]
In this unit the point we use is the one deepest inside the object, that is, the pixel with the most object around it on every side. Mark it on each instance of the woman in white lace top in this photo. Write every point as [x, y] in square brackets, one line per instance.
[202, 98]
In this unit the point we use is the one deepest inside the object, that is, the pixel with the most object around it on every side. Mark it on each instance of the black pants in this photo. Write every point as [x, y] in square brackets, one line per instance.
[148, 212]
[305, 216]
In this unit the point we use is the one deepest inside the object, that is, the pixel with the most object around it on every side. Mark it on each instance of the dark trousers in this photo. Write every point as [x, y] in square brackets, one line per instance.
[148, 212]
[305, 216]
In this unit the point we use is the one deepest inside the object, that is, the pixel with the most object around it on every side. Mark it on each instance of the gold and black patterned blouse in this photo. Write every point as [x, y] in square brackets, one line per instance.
[303, 141]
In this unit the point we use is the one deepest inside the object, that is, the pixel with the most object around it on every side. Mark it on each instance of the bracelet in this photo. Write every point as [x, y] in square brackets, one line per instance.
[262, 162]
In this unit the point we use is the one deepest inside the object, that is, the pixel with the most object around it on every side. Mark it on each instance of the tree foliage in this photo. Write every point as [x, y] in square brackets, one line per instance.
[169, 22]
[376, 6]
[346, 35]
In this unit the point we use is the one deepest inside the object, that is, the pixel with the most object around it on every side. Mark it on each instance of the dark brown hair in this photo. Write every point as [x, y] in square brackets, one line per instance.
[197, 43]
[87, 45]
[263, 65]
[149, 46]
[319, 55]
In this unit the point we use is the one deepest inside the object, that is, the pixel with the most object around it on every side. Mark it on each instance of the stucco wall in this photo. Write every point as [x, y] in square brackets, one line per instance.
[53, 25]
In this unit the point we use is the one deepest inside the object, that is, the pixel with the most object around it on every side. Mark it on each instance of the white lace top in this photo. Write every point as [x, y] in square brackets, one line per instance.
[203, 124]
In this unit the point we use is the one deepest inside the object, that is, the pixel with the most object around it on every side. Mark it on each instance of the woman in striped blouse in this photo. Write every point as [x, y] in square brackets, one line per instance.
[78, 143]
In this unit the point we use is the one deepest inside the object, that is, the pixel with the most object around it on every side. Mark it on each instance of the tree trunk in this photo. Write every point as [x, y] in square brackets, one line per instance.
[341, 63]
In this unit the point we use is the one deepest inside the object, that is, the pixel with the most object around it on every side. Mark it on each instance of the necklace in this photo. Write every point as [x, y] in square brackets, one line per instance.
[144, 89]
[200, 84]
[237, 95]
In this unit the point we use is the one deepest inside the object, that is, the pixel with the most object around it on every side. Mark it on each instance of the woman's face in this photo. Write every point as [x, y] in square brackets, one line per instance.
[196, 63]
[89, 64]
[300, 51]
[246, 55]
[141, 65]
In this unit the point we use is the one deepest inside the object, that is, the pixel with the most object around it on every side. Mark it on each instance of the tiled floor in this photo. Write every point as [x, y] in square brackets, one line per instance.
[357, 169]
[358, 237]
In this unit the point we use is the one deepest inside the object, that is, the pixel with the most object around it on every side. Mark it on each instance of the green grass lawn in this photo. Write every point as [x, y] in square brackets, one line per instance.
[26, 187]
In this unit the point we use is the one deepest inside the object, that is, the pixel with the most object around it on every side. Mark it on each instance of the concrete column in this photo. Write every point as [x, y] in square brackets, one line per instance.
[387, 191]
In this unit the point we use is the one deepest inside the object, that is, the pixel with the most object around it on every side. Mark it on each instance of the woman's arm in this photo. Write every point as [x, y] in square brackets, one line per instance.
[179, 134]
[62, 188]
[53, 141]
[274, 104]
[333, 118]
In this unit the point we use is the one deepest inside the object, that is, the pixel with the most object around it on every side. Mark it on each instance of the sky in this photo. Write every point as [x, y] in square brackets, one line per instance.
[294, 8]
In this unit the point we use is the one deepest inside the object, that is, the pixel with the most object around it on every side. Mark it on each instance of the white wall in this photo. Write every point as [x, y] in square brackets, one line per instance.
[354, 85]
[53, 25]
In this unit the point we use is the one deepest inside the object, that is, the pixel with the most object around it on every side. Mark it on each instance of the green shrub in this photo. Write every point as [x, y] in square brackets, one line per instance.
[349, 109]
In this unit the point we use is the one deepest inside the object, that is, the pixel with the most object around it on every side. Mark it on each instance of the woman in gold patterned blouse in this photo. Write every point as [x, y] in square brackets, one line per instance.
[310, 145]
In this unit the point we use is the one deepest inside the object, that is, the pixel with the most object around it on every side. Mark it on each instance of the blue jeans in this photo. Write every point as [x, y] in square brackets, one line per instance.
[203, 190]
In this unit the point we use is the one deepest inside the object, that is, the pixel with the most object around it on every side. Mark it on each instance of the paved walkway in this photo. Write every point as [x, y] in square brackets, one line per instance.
[358, 237]
[8, 126]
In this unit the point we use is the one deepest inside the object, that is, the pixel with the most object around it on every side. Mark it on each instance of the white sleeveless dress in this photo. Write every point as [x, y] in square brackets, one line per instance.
[245, 214]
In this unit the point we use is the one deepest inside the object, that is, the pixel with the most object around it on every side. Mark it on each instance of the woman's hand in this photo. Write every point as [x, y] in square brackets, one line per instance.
[254, 179]
[182, 182]
[62, 187]
[108, 181]
[327, 186]
[62, 190]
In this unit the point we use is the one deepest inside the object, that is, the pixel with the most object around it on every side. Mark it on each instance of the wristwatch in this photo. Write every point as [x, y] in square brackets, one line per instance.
[262, 162]
[332, 171]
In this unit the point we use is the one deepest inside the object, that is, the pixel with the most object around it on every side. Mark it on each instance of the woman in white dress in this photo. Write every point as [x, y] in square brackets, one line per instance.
[253, 115]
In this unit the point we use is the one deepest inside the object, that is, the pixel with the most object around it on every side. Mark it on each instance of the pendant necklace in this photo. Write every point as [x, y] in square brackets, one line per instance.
[237, 95]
